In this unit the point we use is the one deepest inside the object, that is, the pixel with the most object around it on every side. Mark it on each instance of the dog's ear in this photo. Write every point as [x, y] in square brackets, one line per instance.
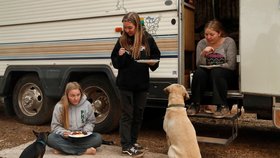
[186, 94]
[166, 89]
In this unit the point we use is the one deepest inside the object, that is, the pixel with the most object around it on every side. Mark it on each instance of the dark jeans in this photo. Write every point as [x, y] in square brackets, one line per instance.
[133, 104]
[215, 79]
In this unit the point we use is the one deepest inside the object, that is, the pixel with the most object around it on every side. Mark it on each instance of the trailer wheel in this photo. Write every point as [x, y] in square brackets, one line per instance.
[30, 103]
[104, 102]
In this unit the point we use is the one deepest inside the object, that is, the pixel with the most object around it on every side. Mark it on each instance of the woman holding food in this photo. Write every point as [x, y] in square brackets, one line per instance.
[134, 54]
[73, 123]
[216, 62]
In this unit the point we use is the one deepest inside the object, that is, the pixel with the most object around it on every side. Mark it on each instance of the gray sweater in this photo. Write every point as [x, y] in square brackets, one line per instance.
[227, 49]
[81, 117]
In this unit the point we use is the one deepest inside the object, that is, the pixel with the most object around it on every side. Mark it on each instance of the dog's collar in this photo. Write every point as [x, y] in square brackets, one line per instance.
[42, 142]
[176, 105]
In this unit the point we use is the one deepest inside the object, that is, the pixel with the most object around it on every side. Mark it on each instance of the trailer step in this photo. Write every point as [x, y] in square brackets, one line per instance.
[234, 94]
[212, 140]
[233, 118]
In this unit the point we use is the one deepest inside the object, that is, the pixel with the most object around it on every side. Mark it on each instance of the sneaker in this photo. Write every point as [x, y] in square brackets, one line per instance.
[138, 147]
[218, 113]
[131, 151]
[193, 109]
[225, 109]
[208, 109]
[221, 112]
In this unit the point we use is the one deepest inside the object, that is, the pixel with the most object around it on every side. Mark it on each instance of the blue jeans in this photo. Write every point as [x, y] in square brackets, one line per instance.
[74, 146]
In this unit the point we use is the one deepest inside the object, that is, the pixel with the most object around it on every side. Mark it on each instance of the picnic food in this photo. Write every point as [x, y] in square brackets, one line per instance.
[79, 133]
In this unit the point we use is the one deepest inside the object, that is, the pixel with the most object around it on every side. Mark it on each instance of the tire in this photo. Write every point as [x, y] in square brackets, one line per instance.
[104, 101]
[30, 103]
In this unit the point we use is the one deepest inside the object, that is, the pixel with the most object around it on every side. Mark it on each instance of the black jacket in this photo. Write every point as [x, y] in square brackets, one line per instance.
[134, 76]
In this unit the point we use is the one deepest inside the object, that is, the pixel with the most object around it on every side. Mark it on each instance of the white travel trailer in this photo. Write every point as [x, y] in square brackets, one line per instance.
[45, 44]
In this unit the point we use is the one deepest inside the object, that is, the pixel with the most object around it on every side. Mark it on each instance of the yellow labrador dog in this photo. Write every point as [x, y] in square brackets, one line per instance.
[180, 133]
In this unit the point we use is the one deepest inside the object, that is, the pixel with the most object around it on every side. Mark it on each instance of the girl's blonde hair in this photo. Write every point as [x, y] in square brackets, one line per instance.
[216, 26]
[139, 37]
[65, 102]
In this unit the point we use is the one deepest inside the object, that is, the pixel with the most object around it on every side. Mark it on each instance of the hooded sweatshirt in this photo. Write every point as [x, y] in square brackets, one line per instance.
[81, 117]
[134, 76]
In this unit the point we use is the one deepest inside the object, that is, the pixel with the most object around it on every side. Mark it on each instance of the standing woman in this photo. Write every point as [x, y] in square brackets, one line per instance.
[73, 113]
[216, 62]
[133, 78]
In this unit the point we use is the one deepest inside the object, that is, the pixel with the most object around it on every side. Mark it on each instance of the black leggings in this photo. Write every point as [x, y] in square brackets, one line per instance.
[215, 79]
[133, 104]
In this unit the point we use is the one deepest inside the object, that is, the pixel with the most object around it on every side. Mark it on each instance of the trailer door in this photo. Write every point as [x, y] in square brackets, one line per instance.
[260, 46]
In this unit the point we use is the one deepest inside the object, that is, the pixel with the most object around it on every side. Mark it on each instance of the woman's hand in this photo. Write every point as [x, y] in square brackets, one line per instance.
[66, 134]
[121, 51]
[206, 51]
[151, 63]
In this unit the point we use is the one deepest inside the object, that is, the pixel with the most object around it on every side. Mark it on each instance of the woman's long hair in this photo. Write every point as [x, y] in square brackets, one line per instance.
[65, 102]
[139, 38]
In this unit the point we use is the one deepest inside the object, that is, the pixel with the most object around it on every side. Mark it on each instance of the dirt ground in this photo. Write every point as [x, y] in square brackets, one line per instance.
[256, 138]
[14, 133]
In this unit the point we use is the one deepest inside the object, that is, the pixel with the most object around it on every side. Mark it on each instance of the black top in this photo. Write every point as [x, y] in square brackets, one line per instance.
[132, 75]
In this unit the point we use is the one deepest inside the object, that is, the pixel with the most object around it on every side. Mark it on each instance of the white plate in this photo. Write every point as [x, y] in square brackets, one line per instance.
[148, 61]
[79, 135]
[210, 66]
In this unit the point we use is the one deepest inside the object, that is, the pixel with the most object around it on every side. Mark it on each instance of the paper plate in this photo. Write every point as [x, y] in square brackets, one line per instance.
[80, 135]
[148, 61]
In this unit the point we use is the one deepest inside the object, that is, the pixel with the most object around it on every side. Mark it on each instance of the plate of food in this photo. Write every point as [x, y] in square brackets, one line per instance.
[147, 61]
[79, 134]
